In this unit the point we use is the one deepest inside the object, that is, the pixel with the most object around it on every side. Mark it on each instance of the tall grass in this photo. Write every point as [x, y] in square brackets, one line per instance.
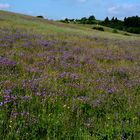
[62, 85]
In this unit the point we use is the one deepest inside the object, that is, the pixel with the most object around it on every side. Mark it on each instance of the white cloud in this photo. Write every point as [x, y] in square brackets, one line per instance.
[4, 6]
[113, 10]
[124, 10]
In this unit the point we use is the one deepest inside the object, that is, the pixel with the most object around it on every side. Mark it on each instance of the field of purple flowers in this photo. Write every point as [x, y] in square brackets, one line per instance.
[64, 85]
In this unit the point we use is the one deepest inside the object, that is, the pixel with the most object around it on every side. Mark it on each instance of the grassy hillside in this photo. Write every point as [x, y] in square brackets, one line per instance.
[66, 81]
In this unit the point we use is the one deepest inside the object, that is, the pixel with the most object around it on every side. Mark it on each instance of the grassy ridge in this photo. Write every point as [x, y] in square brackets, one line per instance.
[61, 81]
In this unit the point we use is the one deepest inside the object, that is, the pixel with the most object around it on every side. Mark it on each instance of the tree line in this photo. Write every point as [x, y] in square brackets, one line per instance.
[84, 20]
[129, 24]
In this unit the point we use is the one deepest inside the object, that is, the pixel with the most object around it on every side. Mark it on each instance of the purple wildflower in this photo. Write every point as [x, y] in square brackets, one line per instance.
[6, 62]
[69, 75]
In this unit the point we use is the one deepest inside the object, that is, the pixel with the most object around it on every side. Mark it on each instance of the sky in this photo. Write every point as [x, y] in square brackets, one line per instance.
[60, 9]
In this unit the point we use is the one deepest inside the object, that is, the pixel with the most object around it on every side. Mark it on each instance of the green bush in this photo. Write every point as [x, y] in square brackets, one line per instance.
[99, 28]
[133, 30]
[40, 17]
[114, 31]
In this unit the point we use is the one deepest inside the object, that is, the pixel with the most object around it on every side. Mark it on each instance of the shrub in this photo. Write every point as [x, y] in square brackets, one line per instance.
[40, 17]
[99, 28]
[133, 30]
[114, 31]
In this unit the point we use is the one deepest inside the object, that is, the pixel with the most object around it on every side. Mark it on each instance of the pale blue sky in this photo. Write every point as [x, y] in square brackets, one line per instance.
[60, 9]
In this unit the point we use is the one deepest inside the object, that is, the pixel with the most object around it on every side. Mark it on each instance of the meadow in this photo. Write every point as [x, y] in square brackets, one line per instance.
[67, 82]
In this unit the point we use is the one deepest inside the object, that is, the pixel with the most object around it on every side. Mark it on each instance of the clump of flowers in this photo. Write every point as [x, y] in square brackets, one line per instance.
[7, 62]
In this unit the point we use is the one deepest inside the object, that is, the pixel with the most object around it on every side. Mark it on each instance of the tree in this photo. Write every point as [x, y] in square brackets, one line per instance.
[124, 19]
[83, 20]
[113, 19]
[116, 20]
[66, 20]
[71, 20]
[91, 18]
[40, 17]
[106, 19]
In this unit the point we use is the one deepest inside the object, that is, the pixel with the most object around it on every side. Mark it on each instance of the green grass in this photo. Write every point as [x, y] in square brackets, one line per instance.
[67, 81]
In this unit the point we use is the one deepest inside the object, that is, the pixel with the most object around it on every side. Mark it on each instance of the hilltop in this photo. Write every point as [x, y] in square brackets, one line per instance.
[67, 81]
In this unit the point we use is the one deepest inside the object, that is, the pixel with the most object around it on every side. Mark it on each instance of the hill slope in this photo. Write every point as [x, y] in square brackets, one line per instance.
[60, 81]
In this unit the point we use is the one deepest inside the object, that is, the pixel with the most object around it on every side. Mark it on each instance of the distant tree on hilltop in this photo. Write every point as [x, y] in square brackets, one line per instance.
[106, 20]
[91, 19]
[83, 20]
[116, 20]
[66, 20]
[113, 19]
[40, 17]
